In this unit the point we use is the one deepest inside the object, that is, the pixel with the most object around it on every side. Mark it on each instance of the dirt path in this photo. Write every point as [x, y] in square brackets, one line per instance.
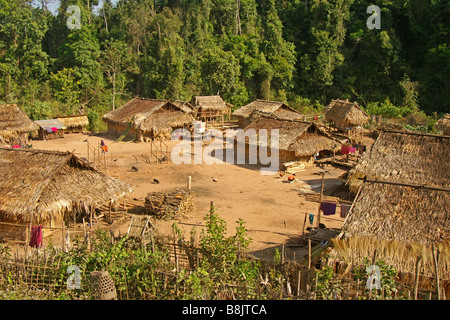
[271, 208]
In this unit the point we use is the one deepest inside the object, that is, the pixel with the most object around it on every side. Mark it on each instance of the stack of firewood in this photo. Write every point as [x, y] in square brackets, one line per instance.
[294, 166]
[169, 205]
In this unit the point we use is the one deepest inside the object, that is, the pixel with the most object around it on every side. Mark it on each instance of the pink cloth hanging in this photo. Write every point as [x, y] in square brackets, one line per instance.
[36, 237]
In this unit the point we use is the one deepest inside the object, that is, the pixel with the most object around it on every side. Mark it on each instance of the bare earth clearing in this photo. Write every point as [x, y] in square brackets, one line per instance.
[272, 209]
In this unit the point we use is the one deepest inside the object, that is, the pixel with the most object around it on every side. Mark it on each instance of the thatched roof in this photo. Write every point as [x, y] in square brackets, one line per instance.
[14, 121]
[185, 106]
[405, 157]
[74, 121]
[149, 115]
[304, 138]
[402, 205]
[443, 124]
[345, 113]
[46, 184]
[210, 103]
[280, 109]
[398, 223]
[403, 213]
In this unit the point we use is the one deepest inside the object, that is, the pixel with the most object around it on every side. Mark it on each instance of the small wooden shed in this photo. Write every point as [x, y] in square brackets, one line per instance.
[345, 115]
[211, 108]
[50, 129]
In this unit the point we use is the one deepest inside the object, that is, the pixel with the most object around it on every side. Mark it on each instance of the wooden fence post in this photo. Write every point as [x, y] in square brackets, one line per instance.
[62, 237]
[436, 270]
[416, 279]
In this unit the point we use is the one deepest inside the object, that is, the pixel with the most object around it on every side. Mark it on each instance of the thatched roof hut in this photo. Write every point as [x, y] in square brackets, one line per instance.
[74, 124]
[279, 109]
[443, 124]
[402, 206]
[50, 129]
[151, 118]
[298, 140]
[48, 186]
[407, 157]
[15, 124]
[345, 115]
[209, 107]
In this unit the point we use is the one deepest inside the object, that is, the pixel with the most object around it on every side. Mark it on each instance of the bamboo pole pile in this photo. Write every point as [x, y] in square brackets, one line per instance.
[168, 205]
[294, 166]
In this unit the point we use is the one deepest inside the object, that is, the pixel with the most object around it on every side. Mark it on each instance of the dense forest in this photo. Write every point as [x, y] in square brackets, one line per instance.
[302, 52]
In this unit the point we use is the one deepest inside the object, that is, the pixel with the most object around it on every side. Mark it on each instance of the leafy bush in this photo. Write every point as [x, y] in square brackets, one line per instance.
[385, 109]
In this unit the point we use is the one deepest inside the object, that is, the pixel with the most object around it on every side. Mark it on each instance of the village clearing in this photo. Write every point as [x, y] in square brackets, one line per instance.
[273, 209]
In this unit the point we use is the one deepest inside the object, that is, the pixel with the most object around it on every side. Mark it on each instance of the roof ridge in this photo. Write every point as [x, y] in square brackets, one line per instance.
[415, 133]
[55, 152]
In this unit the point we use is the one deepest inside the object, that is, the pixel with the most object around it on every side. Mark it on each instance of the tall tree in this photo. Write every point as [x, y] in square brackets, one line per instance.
[116, 59]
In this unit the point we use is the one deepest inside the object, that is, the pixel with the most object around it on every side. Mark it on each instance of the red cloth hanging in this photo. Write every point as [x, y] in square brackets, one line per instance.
[36, 237]
[345, 149]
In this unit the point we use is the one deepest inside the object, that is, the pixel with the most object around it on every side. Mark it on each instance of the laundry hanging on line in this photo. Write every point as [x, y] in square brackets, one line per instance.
[328, 208]
[344, 149]
[344, 210]
[36, 237]
[311, 218]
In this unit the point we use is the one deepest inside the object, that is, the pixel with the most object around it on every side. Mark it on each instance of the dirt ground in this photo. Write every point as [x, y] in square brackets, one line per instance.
[271, 207]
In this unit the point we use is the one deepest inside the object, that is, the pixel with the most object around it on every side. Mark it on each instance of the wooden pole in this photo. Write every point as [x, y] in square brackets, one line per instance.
[304, 224]
[189, 181]
[309, 254]
[84, 229]
[320, 199]
[298, 282]
[416, 279]
[436, 270]
[62, 237]
[90, 219]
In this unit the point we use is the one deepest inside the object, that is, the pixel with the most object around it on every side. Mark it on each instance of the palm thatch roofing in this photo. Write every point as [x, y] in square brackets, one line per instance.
[46, 184]
[303, 138]
[443, 124]
[406, 157]
[280, 109]
[185, 106]
[345, 114]
[149, 115]
[74, 121]
[210, 103]
[398, 223]
[14, 121]
[402, 206]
